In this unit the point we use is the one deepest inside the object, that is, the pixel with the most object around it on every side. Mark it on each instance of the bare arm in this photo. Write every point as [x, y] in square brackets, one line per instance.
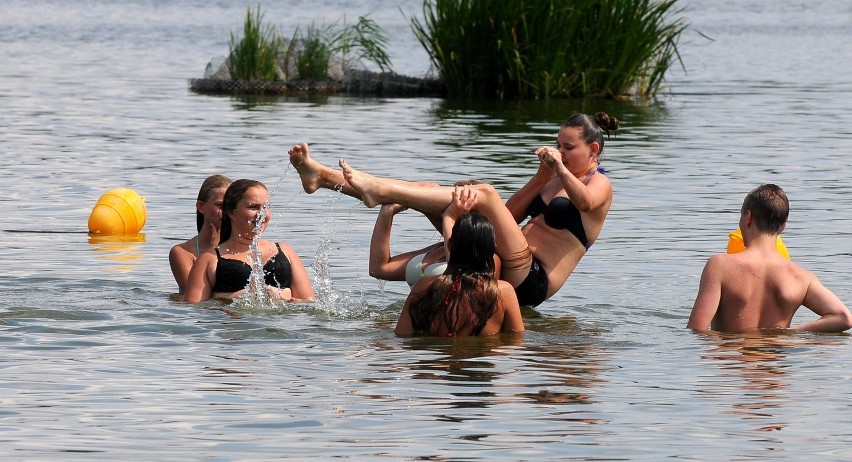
[199, 286]
[464, 200]
[834, 316]
[512, 319]
[382, 264]
[708, 298]
[181, 263]
[300, 285]
[521, 200]
[585, 196]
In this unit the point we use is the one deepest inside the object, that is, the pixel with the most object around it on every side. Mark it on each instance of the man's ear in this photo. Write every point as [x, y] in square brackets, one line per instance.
[748, 219]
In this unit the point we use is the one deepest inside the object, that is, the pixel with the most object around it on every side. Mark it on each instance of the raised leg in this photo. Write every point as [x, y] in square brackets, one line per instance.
[315, 175]
[512, 246]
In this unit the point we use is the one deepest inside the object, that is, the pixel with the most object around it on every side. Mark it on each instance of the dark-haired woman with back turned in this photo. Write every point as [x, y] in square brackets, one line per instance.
[468, 299]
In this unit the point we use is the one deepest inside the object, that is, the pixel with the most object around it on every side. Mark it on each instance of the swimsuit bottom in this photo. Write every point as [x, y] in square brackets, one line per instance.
[533, 291]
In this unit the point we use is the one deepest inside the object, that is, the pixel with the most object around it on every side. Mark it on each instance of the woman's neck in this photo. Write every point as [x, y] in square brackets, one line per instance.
[584, 176]
[236, 244]
[206, 238]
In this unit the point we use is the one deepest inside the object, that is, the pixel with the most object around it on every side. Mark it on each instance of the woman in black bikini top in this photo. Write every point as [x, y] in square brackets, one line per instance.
[224, 271]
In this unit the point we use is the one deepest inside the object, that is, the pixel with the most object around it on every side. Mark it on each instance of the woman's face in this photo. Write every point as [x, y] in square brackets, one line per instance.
[244, 217]
[211, 209]
[577, 155]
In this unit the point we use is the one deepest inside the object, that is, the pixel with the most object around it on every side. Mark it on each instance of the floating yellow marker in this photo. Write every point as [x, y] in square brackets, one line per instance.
[118, 211]
[736, 245]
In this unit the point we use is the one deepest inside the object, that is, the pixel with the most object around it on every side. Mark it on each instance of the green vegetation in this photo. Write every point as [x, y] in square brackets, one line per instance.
[550, 48]
[254, 56]
[313, 53]
[261, 53]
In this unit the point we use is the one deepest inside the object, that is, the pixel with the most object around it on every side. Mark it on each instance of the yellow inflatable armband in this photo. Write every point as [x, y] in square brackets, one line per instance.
[735, 244]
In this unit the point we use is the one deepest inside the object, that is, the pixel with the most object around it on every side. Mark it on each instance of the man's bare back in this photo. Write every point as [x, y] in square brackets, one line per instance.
[755, 290]
[758, 288]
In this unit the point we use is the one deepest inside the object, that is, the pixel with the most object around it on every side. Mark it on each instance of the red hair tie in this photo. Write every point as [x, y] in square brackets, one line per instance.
[454, 291]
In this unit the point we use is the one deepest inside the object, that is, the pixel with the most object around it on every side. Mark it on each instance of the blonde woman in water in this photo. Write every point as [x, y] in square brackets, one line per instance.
[208, 217]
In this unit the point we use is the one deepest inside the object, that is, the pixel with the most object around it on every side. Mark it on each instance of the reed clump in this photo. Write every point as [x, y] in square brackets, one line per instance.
[261, 54]
[551, 48]
[254, 56]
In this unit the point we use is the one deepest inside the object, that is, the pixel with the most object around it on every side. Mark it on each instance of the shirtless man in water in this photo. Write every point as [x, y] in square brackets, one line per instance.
[759, 288]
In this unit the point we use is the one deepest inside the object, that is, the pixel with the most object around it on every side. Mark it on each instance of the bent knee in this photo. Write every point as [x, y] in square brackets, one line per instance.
[488, 192]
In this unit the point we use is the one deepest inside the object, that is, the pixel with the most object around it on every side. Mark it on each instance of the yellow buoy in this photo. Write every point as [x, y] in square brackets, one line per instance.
[118, 211]
[736, 244]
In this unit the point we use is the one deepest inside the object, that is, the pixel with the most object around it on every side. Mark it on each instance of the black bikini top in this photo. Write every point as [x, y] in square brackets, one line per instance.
[560, 213]
[233, 275]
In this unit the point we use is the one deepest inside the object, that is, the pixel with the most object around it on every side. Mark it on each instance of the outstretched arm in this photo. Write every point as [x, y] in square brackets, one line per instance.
[707, 301]
[382, 264]
[834, 316]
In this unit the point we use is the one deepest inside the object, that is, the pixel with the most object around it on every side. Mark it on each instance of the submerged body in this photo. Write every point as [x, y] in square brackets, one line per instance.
[759, 288]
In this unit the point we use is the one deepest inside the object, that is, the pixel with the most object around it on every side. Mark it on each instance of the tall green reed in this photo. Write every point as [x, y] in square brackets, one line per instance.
[551, 48]
[253, 57]
[261, 53]
[313, 52]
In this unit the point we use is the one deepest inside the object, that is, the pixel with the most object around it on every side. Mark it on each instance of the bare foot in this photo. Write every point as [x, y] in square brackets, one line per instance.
[310, 171]
[362, 182]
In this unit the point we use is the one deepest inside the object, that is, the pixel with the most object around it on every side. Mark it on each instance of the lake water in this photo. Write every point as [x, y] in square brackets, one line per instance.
[99, 363]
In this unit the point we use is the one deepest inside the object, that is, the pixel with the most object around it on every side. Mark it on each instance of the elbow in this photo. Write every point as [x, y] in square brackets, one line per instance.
[583, 206]
[847, 321]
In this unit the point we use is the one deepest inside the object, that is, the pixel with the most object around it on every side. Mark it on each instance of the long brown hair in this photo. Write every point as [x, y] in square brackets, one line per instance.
[463, 299]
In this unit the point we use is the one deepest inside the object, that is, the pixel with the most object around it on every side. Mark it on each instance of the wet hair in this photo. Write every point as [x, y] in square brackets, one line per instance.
[593, 127]
[769, 206]
[233, 195]
[211, 183]
[463, 299]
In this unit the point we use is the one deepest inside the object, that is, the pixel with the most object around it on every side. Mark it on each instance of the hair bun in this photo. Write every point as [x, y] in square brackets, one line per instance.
[606, 122]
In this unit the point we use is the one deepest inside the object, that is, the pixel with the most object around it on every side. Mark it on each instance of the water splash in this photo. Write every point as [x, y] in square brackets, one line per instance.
[330, 300]
[256, 288]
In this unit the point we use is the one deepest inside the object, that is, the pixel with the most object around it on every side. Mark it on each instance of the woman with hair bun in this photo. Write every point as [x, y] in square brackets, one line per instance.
[567, 200]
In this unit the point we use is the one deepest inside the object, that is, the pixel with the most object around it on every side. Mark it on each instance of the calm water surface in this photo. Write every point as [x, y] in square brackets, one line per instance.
[99, 363]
